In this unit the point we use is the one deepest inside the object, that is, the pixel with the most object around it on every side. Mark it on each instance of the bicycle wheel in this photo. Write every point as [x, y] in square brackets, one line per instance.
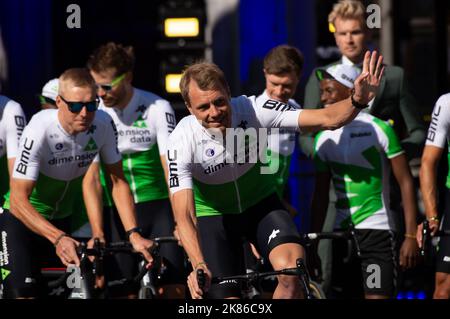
[316, 290]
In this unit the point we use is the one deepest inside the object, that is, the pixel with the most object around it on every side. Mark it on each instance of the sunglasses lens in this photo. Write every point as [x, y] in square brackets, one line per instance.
[76, 107]
[91, 106]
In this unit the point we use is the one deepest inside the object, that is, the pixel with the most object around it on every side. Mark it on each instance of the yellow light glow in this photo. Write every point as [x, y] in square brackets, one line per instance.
[173, 83]
[181, 27]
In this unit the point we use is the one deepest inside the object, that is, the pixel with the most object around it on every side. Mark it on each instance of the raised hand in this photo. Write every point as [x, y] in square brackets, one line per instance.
[367, 83]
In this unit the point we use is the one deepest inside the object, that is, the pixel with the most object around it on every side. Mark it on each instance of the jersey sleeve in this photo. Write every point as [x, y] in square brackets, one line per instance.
[165, 124]
[179, 163]
[320, 162]
[109, 151]
[271, 113]
[27, 163]
[15, 124]
[440, 122]
[388, 139]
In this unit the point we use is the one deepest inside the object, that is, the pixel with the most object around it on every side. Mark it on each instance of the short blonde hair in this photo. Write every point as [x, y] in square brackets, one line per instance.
[347, 9]
[76, 77]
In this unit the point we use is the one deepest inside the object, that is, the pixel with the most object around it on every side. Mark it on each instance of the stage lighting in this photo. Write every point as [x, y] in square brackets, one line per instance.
[181, 27]
[172, 83]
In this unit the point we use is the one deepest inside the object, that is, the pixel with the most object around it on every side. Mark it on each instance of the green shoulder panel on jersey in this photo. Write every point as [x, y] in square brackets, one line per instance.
[145, 175]
[233, 197]
[52, 198]
[394, 146]
[320, 165]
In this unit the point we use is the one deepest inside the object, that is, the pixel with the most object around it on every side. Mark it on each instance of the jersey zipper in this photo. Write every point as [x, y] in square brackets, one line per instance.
[237, 188]
[133, 182]
[58, 202]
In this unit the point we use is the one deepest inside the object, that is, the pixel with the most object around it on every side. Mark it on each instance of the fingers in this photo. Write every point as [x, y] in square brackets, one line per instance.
[380, 68]
[360, 78]
[373, 61]
[66, 251]
[194, 289]
[366, 62]
[147, 256]
[419, 235]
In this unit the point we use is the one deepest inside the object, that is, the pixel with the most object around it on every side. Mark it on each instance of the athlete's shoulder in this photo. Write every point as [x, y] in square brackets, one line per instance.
[9, 105]
[444, 100]
[102, 117]
[45, 116]
[294, 104]
[186, 125]
[242, 102]
[148, 98]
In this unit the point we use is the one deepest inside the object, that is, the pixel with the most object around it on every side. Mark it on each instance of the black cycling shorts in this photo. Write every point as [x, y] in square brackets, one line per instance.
[24, 253]
[155, 218]
[443, 253]
[376, 269]
[265, 224]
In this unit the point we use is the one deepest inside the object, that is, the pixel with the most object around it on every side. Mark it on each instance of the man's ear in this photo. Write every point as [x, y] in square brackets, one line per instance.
[58, 101]
[189, 108]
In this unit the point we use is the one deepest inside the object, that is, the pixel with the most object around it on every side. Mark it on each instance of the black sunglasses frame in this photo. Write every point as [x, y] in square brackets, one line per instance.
[77, 109]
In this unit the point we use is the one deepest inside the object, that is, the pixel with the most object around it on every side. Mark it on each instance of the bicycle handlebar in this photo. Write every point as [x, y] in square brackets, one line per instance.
[299, 270]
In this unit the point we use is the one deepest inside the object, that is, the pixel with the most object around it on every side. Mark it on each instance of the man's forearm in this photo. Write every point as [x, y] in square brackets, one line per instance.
[22, 209]
[410, 207]
[123, 200]
[92, 195]
[184, 212]
[428, 189]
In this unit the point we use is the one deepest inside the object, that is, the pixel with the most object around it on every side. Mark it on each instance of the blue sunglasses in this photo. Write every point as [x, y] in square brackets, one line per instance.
[76, 107]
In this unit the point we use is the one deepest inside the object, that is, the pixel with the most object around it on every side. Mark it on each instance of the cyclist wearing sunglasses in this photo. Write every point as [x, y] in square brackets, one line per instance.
[144, 122]
[56, 150]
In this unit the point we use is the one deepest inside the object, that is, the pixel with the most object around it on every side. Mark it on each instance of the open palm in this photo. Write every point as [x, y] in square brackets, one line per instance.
[367, 83]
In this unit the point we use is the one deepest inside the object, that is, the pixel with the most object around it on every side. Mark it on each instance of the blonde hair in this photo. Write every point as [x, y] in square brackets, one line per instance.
[347, 9]
[76, 77]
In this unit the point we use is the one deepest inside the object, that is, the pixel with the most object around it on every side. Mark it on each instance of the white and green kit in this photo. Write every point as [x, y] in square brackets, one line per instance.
[57, 160]
[143, 128]
[12, 124]
[357, 156]
[226, 178]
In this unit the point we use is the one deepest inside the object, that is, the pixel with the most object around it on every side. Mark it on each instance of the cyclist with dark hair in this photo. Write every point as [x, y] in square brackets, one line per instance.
[144, 122]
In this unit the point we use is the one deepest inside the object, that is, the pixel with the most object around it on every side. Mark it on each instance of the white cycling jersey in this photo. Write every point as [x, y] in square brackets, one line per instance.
[281, 144]
[57, 160]
[226, 178]
[439, 129]
[357, 156]
[143, 129]
[12, 124]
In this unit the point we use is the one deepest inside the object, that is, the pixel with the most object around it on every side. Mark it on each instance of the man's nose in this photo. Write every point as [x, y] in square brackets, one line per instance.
[84, 111]
[214, 111]
[101, 92]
